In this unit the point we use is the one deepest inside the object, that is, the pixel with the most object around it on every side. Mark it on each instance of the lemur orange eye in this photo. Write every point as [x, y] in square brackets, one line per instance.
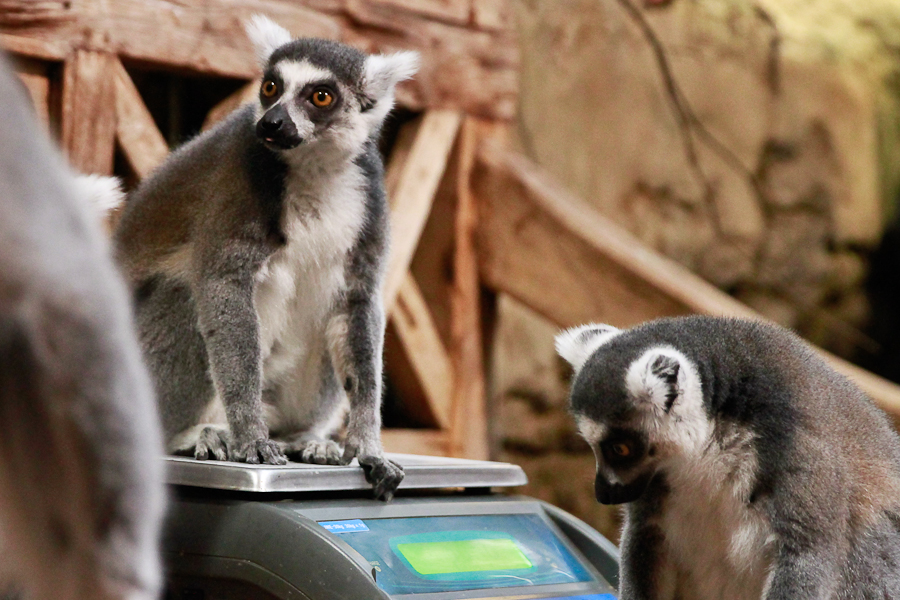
[621, 449]
[322, 98]
[269, 88]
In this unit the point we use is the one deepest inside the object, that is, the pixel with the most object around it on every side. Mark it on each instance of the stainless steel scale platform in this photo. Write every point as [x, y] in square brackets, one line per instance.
[313, 532]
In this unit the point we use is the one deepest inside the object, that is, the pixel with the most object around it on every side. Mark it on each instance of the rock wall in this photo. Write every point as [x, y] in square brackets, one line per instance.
[734, 136]
[756, 142]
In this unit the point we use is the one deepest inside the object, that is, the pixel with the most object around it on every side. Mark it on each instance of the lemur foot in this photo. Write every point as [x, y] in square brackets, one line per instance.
[384, 474]
[316, 452]
[260, 451]
[212, 444]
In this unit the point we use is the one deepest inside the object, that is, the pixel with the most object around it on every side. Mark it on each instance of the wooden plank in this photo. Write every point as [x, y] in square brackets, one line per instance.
[450, 11]
[201, 36]
[35, 47]
[415, 441]
[88, 112]
[556, 254]
[469, 433]
[33, 12]
[466, 68]
[144, 146]
[414, 193]
[424, 350]
[463, 66]
[245, 95]
[492, 14]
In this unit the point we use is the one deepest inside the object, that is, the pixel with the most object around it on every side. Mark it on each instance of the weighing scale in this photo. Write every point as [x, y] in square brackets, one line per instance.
[312, 532]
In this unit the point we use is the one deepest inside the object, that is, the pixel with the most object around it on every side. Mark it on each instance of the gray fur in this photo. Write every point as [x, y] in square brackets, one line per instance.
[755, 470]
[257, 254]
[81, 492]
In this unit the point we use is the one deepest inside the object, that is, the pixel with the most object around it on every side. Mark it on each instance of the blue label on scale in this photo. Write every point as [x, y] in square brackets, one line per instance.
[350, 526]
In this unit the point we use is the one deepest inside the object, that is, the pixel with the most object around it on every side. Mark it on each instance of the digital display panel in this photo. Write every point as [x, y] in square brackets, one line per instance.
[473, 551]
[417, 555]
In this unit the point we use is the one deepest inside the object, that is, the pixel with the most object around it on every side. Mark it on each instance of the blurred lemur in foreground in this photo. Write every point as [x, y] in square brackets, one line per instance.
[256, 253]
[751, 468]
[81, 490]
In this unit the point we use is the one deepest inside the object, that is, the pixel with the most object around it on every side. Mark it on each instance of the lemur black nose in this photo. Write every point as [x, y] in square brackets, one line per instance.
[271, 125]
[277, 129]
[273, 121]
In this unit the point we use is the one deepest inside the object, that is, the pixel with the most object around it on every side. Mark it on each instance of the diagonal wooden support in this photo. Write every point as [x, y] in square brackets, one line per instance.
[412, 319]
[88, 115]
[414, 193]
[424, 349]
[555, 253]
[144, 146]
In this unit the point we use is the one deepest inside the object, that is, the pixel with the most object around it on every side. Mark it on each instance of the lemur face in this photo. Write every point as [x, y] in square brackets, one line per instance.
[639, 406]
[316, 91]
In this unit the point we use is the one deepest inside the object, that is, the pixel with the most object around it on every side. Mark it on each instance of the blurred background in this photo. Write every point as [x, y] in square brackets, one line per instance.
[555, 161]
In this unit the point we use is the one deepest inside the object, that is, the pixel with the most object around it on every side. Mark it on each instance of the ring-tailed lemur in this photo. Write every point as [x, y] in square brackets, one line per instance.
[257, 253]
[752, 469]
[81, 474]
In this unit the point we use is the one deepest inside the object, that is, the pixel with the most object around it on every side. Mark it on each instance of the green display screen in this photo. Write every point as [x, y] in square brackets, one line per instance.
[464, 556]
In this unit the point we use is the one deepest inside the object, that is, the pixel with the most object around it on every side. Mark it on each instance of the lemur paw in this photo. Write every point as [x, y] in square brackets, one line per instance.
[316, 452]
[384, 475]
[212, 444]
[259, 451]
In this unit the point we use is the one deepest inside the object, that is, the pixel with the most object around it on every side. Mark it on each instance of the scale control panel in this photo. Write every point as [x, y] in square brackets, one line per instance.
[224, 544]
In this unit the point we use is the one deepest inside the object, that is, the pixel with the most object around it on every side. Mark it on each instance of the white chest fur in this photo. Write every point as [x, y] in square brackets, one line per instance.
[297, 288]
[718, 543]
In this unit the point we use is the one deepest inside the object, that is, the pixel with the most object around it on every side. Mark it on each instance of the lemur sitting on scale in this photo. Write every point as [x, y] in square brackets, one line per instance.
[256, 254]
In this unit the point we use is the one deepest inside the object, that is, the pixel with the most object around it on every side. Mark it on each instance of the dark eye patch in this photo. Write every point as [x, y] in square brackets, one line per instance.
[271, 75]
[622, 448]
[320, 116]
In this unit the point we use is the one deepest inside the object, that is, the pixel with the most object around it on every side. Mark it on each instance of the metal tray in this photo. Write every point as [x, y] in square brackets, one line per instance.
[422, 472]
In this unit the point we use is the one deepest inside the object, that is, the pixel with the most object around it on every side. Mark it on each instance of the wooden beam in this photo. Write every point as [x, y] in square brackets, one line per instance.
[144, 146]
[429, 442]
[35, 47]
[246, 94]
[469, 433]
[556, 254]
[449, 11]
[424, 350]
[88, 111]
[465, 65]
[411, 201]
[30, 12]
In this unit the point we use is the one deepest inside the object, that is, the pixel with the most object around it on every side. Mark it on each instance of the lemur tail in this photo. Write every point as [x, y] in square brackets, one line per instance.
[103, 194]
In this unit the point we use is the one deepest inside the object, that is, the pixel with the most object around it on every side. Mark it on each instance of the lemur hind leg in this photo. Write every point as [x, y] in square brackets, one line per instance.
[176, 354]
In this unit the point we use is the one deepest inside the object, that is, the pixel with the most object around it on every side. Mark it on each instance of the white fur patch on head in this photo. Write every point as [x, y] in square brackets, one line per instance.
[590, 430]
[577, 344]
[665, 382]
[384, 71]
[266, 36]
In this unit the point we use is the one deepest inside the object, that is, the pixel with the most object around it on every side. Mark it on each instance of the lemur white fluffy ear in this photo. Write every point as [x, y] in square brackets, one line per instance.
[575, 345]
[654, 377]
[384, 71]
[266, 35]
